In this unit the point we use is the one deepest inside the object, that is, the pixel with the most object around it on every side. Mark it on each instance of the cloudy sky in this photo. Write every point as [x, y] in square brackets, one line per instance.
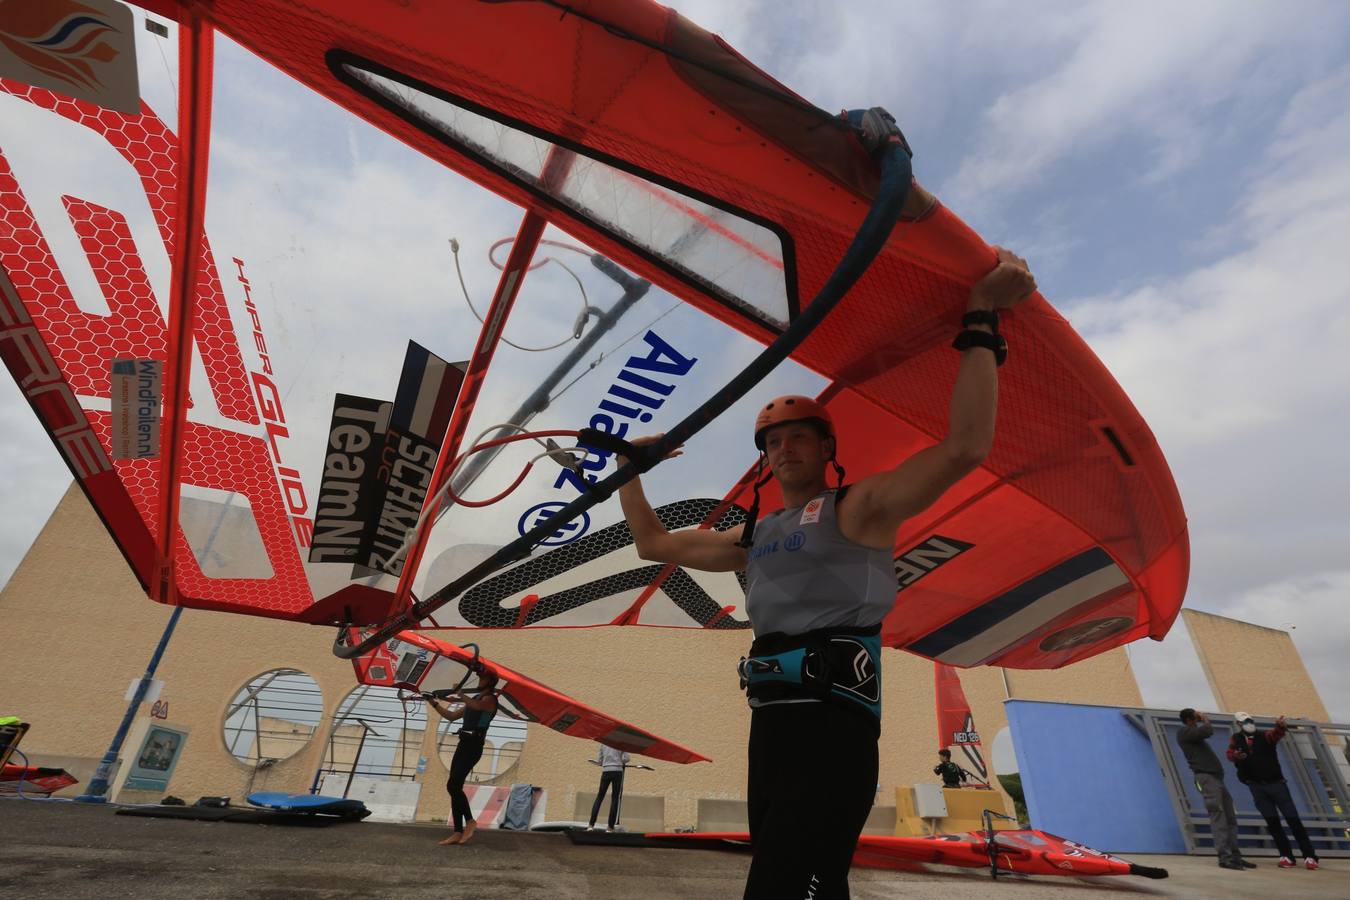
[1177, 176]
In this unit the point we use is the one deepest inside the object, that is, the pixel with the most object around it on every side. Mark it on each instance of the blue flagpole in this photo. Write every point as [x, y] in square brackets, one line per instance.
[98, 787]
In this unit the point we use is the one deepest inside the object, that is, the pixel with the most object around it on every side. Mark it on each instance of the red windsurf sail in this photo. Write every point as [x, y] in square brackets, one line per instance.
[242, 296]
[417, 662]
[34, 779]
[1026, 851]
[956, 726]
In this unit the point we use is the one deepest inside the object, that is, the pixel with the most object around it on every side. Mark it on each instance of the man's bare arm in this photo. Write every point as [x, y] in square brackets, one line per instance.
[444, 713]
[885, 500]
[702, 548]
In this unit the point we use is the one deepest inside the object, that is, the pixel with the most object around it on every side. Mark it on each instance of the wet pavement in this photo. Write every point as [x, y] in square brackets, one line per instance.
[64, 850]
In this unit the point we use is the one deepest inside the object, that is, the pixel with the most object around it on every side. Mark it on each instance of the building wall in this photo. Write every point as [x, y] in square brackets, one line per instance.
[1254, 669]
[79, 629]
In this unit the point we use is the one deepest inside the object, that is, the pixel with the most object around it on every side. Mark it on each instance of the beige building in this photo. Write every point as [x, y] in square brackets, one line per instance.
[78, 629]
[1254, 669]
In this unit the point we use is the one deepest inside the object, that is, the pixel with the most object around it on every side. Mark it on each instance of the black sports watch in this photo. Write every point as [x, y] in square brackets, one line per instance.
[981, 317]
[995, 342]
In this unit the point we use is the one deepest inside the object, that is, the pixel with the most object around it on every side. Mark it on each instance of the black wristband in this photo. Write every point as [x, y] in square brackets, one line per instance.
[603, 440]
[981, 317]
[995, 342]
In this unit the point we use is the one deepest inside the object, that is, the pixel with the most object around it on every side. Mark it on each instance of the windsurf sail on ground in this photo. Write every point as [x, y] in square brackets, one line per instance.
[31, 780]
[217, 349]
[1026, 851]
[420, 664]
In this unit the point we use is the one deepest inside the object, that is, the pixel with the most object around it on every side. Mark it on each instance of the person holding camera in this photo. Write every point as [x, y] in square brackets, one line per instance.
[953, 776]
[1193, 738]
[1254, 751]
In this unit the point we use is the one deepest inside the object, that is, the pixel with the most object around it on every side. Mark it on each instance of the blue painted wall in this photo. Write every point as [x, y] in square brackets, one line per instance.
[1091, 776]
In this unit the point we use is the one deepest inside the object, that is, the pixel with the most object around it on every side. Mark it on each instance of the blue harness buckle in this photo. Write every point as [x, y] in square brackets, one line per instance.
[827, 665]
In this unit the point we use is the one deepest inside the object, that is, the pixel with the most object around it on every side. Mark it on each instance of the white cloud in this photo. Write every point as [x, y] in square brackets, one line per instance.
[1229, 352]
[1311, 607]
[1169, 672]
[1151, 72]
[1306, 186]
[1236, 369]
[34, 477]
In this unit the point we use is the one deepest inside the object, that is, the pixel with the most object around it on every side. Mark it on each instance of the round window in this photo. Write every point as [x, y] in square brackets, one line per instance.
[273, 717]
[375, 734]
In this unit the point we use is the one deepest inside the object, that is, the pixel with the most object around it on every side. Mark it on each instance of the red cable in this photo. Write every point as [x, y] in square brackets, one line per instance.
[497, 442]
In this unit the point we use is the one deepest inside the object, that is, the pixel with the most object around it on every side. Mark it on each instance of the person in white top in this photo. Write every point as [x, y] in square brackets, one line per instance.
[612, 764]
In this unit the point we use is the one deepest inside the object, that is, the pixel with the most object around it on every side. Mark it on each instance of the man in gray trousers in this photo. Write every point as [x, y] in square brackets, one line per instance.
[1193, 738]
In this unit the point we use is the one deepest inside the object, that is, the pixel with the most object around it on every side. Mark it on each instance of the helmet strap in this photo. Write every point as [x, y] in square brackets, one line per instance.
[838, 472]
[748, 532]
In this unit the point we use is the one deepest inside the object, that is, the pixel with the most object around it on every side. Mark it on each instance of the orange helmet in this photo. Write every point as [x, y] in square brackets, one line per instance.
[792, 408]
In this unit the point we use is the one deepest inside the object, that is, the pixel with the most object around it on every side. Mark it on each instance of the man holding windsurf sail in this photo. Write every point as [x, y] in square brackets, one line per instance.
[820, 579]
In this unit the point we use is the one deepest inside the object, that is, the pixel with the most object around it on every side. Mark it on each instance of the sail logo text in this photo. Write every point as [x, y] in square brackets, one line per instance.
[24, 351]
[918, 561]
[641, 388]
[614, 417]
[538, 515]
[274, 421]
[136, 387]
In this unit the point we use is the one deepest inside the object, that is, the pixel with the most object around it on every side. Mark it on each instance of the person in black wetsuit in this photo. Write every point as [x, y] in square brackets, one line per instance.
[820, 578]
[477, 713]
[952, 775]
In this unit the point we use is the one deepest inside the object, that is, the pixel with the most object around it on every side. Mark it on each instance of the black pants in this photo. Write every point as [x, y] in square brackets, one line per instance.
[1273, 799]
[607, 779]
[813, 777]
[467, 753]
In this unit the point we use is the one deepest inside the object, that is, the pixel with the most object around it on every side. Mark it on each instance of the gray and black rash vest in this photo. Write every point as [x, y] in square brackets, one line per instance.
[803, 574]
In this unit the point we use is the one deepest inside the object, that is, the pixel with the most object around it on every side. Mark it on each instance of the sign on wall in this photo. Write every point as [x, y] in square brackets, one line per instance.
[157, 750]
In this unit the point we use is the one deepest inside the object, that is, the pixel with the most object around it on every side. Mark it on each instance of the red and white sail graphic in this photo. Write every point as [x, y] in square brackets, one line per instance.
[956, 726]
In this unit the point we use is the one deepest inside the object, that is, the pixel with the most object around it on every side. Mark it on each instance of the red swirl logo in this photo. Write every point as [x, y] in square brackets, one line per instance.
[60, 38]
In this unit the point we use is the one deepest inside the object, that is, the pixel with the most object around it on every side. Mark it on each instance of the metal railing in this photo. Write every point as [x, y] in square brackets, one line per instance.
[1311, 757]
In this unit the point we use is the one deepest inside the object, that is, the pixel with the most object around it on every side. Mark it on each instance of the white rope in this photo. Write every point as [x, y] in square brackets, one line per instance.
[577, 327]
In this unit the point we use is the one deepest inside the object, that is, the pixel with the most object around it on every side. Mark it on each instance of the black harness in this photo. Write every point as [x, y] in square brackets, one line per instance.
[840, 665]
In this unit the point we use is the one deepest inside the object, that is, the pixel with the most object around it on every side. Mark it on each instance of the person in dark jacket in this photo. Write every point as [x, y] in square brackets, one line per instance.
[1193, 737]
[952, 774]
[1256, 756]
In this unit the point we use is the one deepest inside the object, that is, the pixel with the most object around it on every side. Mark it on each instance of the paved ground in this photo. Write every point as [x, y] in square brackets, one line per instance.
[61, 850]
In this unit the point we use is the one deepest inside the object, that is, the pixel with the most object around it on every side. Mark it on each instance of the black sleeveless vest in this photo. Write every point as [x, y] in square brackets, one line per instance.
[1262, 764]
